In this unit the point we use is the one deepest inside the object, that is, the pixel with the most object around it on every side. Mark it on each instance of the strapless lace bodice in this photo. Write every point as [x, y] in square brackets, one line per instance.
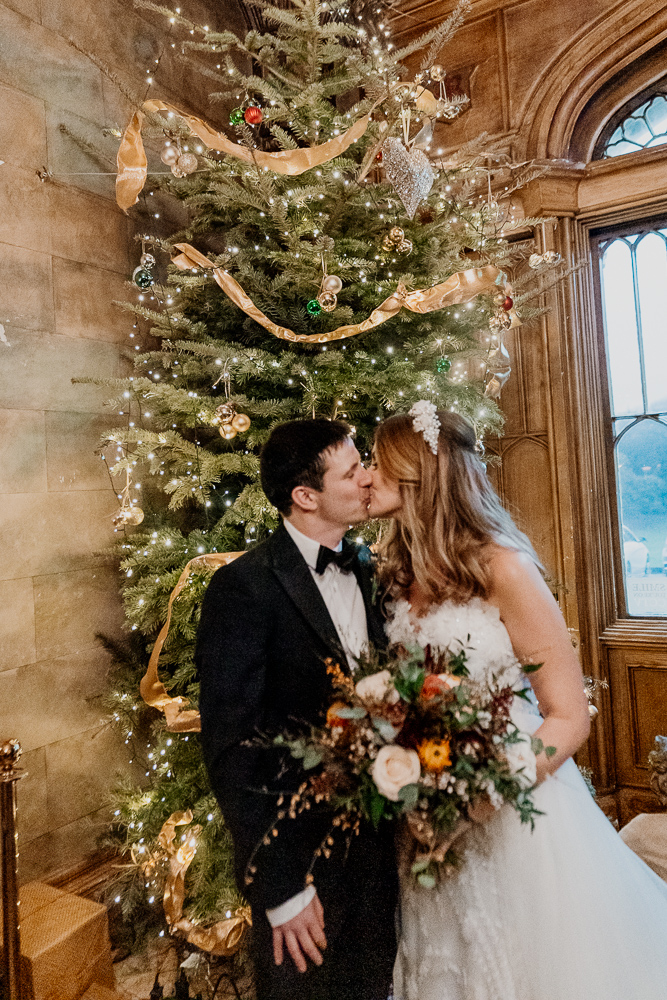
[475, 625]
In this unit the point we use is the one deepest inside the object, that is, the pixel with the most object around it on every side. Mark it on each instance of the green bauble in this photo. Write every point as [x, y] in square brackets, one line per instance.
[236, 116]
[443, 365]
[142, 277]
[314, 308]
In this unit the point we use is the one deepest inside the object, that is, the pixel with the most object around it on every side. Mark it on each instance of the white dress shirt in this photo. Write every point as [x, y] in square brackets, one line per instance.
[345, 603]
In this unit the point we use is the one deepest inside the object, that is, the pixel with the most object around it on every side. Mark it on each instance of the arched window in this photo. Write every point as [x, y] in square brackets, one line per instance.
[639, 124]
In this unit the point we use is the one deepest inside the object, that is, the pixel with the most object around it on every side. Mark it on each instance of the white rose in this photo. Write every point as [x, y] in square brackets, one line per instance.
[377, 687]
[393, 769]
[521, 758]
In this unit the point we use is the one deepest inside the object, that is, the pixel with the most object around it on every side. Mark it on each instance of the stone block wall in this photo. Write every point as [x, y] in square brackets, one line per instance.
[66, 252]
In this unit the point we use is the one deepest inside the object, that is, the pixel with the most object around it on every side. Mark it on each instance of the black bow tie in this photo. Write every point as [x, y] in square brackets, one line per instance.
[345, 559]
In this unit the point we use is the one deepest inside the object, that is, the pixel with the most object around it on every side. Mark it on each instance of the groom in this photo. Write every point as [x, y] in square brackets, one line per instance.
[269, 621]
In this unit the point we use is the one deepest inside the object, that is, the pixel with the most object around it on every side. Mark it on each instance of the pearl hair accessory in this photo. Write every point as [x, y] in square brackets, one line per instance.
[425, 420]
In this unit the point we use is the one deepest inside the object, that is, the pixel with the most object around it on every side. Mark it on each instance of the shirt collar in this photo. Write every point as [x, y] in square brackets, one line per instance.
[308, 547]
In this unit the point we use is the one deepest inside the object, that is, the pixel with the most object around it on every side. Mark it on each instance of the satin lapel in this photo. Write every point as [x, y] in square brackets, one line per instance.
[294, 575]
[365, 575]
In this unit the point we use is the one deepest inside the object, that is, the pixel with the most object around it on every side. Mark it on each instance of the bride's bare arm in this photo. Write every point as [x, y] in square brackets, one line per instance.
[539, 635]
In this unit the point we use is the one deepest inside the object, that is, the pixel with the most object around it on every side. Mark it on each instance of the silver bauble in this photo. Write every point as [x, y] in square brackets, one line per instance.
[437, 72]
[147, 260]
[332, 283]
[188, 163]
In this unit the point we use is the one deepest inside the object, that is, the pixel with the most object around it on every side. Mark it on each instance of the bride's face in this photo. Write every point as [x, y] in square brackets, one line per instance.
[385, 494]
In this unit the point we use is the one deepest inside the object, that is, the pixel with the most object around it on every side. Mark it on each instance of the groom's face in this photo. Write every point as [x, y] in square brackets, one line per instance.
[345, 492]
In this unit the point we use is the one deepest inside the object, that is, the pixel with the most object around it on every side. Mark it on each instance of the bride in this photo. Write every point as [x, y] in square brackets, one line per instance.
[566, 912]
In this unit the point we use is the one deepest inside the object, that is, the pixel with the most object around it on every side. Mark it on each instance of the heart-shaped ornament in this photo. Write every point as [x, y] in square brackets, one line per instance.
[409, 171]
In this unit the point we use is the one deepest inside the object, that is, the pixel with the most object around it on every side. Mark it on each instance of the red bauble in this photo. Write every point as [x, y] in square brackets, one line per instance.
[508, 303]
[253, 115]
[379, 157]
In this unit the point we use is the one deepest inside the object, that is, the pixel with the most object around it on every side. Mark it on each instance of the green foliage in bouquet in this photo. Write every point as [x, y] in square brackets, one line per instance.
[414, 736]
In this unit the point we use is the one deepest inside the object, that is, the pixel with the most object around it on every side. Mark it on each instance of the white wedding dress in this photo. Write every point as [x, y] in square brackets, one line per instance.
[566, 912]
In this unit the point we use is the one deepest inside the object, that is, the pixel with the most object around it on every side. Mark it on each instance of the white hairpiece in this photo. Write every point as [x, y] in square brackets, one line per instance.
[425, 420]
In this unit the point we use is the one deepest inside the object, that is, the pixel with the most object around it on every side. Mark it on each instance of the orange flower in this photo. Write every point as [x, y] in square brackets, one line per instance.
[433, 686]
[434, 755]
[333, 719]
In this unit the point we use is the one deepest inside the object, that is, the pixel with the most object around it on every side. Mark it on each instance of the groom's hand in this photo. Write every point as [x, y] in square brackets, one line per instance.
[303, 935]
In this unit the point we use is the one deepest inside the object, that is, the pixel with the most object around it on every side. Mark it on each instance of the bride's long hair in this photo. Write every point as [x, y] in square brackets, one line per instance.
[450, 512]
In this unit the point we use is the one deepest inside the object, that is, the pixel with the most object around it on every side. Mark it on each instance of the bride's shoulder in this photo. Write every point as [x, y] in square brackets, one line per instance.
[509, 568]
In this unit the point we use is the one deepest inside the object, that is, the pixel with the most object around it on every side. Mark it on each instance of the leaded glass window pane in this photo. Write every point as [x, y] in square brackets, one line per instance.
[642, 128]
[633, 279]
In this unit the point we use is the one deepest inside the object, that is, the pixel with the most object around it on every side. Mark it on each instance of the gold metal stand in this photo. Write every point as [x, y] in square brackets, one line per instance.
[10, 751]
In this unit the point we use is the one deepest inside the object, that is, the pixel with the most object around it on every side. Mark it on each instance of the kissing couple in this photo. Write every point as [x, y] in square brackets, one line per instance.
[562, 913]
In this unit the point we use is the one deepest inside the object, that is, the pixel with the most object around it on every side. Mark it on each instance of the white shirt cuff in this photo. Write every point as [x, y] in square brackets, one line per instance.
[291, 908]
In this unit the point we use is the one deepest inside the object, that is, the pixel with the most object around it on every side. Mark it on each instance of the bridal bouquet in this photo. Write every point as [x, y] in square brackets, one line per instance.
[413, 735]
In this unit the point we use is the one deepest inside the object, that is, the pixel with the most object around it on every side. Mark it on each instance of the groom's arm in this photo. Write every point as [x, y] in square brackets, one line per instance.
[233, 645]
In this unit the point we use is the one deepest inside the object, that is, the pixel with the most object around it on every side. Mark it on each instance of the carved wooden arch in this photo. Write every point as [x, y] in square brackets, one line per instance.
[625, 40]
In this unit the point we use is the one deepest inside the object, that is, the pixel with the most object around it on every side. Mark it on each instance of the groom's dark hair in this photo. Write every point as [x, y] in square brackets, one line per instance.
[295, 455]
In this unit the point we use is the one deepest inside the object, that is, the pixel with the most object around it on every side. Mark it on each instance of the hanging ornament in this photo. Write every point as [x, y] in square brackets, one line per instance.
[253, 115]
[328, 301]
[128, 516]
[231, 422]
[419, 77]
[169, 155]
[508, 303]
[409, 172]
[396, 241]
[143, 278]
[236, 116]
[501, 320]
[437, 73]
[177, 172]
[331, 283]
[129, 513]
[314, 308]
[187, 162]
[142, 275]
[539, 261]
[443, 365]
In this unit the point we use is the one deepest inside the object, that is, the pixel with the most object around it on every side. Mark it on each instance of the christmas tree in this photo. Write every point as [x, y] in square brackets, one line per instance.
[312, 250]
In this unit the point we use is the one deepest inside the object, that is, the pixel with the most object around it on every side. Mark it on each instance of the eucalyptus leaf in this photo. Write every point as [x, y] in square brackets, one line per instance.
[351, 713]
[408, 795]
[426, 880]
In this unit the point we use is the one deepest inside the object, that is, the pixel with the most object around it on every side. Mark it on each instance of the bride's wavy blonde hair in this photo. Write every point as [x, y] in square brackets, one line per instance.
[450, 512]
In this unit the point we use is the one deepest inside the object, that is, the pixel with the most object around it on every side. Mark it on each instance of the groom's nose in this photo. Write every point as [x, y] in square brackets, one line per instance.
[365, 478]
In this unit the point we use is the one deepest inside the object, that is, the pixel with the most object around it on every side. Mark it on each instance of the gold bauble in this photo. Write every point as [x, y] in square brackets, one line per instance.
[187, 162]
[177, 172]
[437, 72]
[241, 422]
[396, 234]
[331, 283]
[225, 412]
[227, 432]
[169, 155]
[551, 258]
[419, 77]
[328, 301]
[128, 515]
[387, 244]
[499, 298]
[405, 247]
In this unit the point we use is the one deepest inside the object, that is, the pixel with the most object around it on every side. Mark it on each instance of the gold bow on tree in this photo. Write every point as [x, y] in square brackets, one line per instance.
[225, 937]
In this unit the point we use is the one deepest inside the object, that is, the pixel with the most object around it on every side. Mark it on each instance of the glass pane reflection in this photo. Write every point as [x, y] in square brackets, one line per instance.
[641, 465]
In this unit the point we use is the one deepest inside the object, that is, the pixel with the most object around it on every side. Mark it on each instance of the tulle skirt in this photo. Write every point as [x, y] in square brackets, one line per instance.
[566, 912]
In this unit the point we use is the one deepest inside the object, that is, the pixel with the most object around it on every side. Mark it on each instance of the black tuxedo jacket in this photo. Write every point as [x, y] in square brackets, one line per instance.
[265, 633]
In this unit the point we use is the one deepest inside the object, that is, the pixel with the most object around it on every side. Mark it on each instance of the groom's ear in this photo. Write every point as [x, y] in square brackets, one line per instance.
[305, 498]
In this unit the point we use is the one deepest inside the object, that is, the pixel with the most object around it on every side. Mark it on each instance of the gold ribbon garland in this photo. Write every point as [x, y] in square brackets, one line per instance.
[224, 937]
[460, 287]
[180, 718]
[132, 163]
